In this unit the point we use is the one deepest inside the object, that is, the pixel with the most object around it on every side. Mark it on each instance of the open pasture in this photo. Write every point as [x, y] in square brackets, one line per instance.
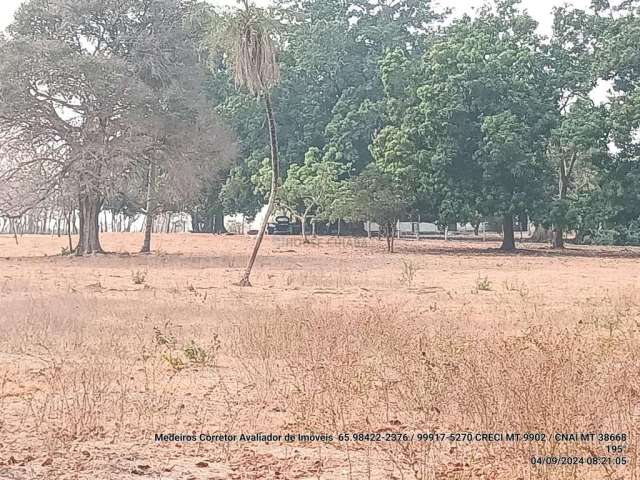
[100, 354]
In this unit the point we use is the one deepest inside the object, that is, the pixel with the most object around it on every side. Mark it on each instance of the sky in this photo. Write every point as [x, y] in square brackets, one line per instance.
[539, 9]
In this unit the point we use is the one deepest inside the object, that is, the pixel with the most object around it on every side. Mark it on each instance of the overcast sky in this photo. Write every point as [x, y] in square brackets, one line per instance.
[540, 9]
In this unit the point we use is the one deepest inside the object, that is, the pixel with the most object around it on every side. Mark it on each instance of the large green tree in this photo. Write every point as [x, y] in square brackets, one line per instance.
[330, 90]
[310, 189]
[477, 117]
[377, 196]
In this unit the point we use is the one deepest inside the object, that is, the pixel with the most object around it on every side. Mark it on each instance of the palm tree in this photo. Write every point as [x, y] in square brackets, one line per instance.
[255, 67]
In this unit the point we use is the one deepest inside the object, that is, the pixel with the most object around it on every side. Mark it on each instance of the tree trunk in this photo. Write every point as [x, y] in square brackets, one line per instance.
[509, 241]
[146, 244]
[69, 231]
[566, 171]
[557, 237]
[393, 234]
[540, 234]
[389, 235]
[210, 222]
[150, 208]
[89, 206]
[303, 221]
[15, 232]
[218, 226]
[246, 282]
[195, 222]
[557, 233]
[476, 228]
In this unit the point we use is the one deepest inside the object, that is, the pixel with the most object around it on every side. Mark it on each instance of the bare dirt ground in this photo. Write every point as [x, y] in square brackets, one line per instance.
[98, 355]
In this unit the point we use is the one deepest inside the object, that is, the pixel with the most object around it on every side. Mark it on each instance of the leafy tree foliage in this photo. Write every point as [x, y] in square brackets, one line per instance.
[376, 196]
[381, 112]
[478, 118]
[311, 188]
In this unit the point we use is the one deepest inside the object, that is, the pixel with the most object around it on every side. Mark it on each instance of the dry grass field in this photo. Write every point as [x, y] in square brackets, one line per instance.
[98, 355]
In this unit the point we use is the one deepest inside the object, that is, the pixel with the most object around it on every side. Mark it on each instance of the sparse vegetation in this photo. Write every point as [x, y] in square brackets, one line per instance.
[409, 270]
[164, 337]
[365, 357]
[199, 355]
[139, 277]
[516, 286]
[483, 284]
[174, 360]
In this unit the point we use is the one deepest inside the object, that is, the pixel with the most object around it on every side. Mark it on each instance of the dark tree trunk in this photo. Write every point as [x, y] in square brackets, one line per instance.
[209, 223]
[390, 237]
[566, 171]
[303, 224]
[557, 237]
[509, 241]
[195, 222]
[218, 225]
[89, 206]
[394, 232]
[15, 232]
[148, 227]
[69, 230]
[150, 209]
[273, 139]
[557, 234]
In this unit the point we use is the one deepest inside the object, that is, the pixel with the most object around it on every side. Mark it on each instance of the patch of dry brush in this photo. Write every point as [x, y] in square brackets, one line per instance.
[82, 369]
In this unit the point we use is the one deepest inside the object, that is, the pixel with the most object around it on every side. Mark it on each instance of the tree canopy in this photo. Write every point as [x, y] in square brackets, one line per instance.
[469, 119]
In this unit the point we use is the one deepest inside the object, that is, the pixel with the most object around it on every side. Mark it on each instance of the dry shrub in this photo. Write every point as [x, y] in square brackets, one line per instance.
[94, 377]
[379, 370]
[325, 367]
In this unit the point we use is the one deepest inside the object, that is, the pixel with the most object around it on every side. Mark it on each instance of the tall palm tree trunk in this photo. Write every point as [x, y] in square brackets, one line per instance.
[246, 282]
